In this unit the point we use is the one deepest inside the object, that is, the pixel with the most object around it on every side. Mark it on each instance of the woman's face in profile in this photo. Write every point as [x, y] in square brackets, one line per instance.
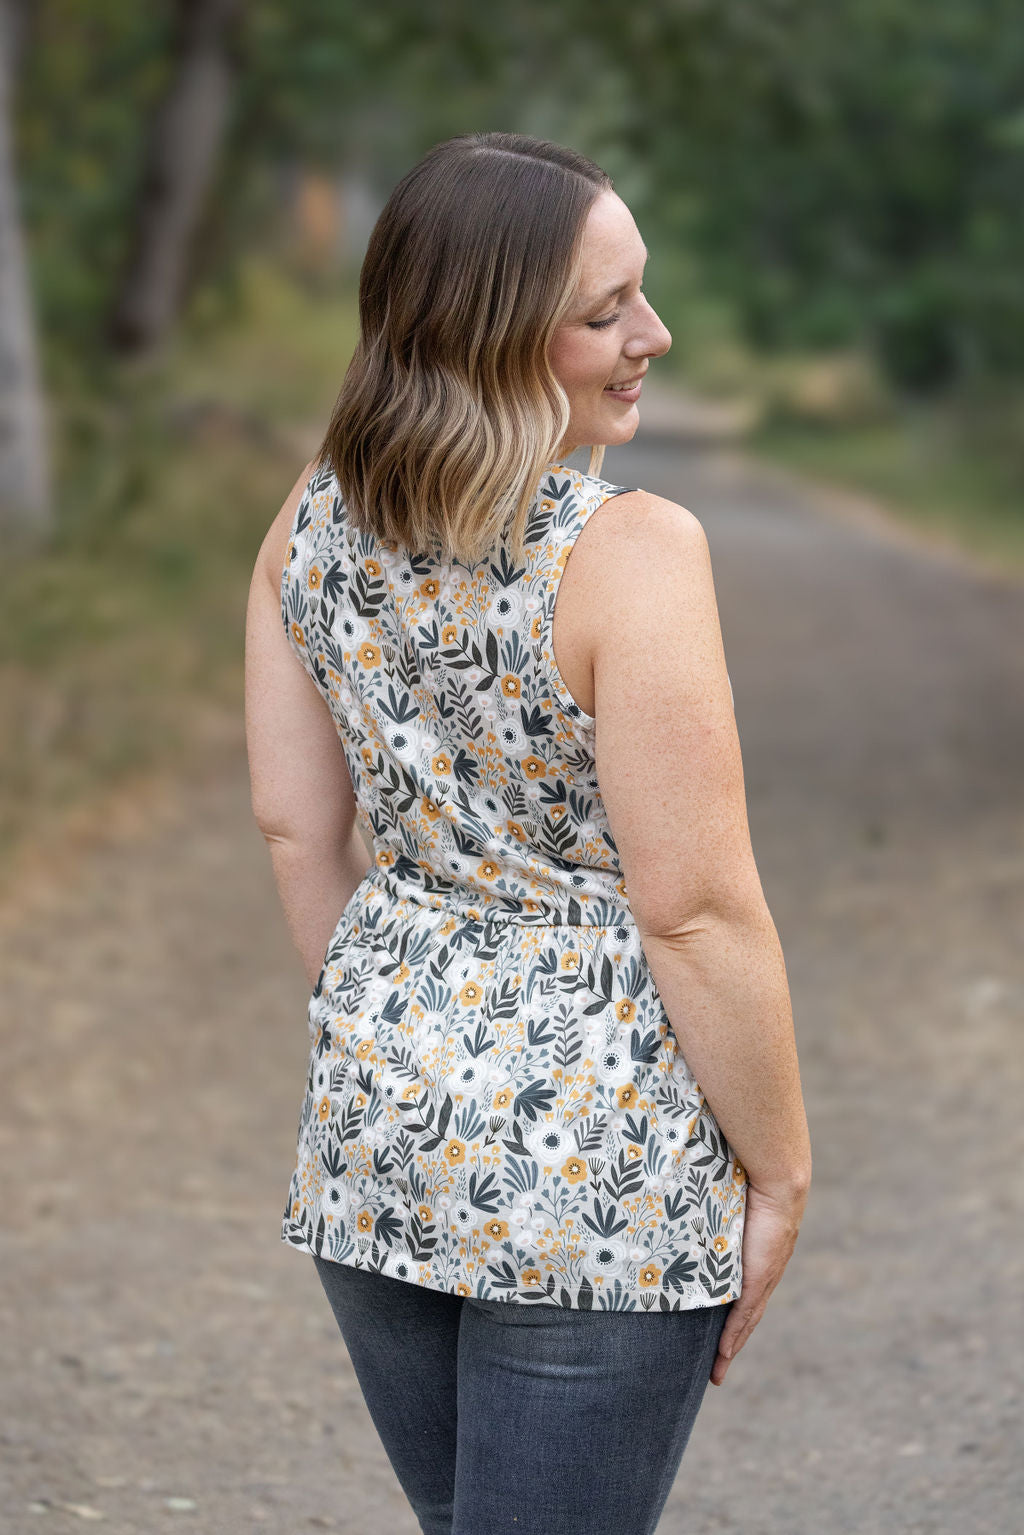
[600, 351]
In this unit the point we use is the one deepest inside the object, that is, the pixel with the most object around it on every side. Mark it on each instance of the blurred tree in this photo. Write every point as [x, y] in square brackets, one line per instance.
[187, 135]
[24, 477]
[854, 170]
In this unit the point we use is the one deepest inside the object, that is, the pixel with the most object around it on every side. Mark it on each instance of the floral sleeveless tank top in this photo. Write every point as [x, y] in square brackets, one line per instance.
[496, 1105]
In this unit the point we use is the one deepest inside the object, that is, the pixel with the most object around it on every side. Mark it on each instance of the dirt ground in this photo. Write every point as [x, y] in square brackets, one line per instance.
[167, 1363]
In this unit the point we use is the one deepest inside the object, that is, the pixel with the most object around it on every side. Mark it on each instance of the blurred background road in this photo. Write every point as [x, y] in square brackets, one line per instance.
[831, 198]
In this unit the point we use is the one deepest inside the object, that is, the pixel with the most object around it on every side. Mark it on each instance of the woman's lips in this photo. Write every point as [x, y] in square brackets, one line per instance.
[629, 393]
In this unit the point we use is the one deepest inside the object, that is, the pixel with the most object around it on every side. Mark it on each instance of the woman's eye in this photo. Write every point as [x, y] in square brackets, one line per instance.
[602, 324]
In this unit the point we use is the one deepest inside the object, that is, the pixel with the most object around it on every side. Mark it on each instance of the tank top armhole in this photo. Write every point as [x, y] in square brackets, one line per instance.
[296, 613]
[564, 539]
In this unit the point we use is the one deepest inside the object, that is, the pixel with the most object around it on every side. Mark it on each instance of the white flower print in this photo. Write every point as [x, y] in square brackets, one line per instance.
[550, 1142]
[605, 1258]
[398, 1266]
[352, 631]
[336, 1198]
[505, 611]
[403, 742]
[511, 737]
[614, 1065]
[466, 1078]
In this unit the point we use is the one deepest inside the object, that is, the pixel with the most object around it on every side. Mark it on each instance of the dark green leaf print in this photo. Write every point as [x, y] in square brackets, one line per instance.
[534, 1100]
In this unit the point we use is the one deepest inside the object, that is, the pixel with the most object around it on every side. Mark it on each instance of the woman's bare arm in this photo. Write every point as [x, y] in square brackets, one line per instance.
[669, 768]
[668, 764]
[302, 795]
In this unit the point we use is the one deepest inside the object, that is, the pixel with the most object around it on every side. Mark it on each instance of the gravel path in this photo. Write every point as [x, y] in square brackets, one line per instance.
[167, 1364]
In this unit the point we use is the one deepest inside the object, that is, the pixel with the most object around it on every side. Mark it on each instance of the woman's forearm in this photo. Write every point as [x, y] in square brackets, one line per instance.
[315, 883]
[723, 984]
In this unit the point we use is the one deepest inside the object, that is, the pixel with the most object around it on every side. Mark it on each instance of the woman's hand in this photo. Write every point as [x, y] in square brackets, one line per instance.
[770, 1230]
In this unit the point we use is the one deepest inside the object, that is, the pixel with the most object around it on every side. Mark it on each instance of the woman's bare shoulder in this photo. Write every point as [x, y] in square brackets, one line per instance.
[631, 533]
[642, 514]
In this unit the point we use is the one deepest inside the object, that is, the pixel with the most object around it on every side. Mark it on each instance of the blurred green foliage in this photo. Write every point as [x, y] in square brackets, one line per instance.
[848, 174]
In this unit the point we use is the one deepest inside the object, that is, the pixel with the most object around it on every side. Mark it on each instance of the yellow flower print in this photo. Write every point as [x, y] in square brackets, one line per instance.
[323, 1109]
[488, 870]
[471, 994]
[449, 634]
[515, 830]
[359, 1101]
[738, 1173]
[531, 1276]
[496, 1229]
[447, 926]
[455, 1151]
[510, 685]
[298, 636]
[314, 578]
[429, 809]
[364, 1222]
[556, 812]
[441, 764]
[627, 1096]
[625, 1010]
[296, 1207]
[402, 973]
[570, 960]
[364, 1047]
[533, 767]
[373, 567]
[410, 1092]
[634, 1151]
[385, 858]
[425, 1213]
[369, 654]
[650, 1274]
[574, 1169]
[721, 1244]
[367, 756]
[430, 587]
[502, 1098]
[535, 628]
[462, 1289]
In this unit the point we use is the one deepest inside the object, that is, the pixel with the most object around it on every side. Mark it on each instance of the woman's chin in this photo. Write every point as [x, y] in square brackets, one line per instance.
[624, 429]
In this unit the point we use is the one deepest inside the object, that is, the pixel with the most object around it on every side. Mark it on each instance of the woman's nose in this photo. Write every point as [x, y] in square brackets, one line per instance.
[652, 338]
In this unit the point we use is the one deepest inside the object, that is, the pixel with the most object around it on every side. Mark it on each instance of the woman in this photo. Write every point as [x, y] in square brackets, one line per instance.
[530, 1220]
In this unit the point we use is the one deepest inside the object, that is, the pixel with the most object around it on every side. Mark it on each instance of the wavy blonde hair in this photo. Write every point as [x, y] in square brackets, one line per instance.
[449, 412]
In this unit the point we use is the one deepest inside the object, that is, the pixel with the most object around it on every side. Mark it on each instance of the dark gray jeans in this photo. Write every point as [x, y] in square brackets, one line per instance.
[501, 1416]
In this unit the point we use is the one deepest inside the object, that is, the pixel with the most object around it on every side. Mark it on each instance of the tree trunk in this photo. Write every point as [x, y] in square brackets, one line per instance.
[25, 506]
[187, 135]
